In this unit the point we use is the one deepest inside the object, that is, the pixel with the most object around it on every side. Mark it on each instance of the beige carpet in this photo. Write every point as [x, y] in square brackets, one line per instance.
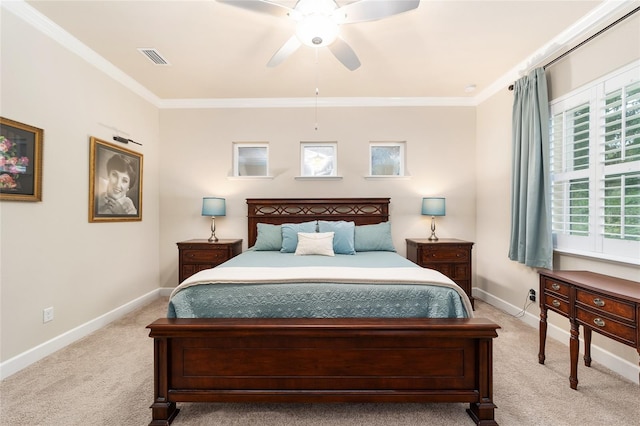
[107, 379]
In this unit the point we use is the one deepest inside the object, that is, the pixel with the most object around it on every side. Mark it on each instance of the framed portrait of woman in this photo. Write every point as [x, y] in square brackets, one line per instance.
[115, 183]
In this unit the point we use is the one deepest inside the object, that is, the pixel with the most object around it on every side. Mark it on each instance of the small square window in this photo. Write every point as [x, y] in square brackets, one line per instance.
[250, 159]
[318, 159]
[386, 158]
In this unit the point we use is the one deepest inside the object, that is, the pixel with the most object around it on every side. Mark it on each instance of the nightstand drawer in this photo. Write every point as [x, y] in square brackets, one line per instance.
[606, 305]
[449, 253]
[453, 270]
[201, 256]
[607, 326]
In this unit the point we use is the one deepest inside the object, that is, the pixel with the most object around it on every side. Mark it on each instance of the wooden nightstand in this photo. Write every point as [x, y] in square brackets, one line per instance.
[196, 255]
[450, 256]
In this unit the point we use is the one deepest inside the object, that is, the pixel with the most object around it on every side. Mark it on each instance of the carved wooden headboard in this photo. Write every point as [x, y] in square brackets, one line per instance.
[276, 211]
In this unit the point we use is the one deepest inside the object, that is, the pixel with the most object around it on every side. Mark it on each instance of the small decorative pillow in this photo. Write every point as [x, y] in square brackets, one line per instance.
[290, 234]
[320, 243]
[343, 239]
[269, 237]
[374, 237]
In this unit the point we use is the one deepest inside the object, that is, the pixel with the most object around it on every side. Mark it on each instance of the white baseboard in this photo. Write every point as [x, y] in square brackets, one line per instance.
[166, 291]
[613, 362]
[18, 362]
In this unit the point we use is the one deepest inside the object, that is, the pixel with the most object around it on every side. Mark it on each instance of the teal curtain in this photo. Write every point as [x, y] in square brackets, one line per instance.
[531, 239]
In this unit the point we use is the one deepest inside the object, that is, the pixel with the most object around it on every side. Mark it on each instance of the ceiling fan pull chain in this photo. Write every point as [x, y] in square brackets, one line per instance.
[317, 89]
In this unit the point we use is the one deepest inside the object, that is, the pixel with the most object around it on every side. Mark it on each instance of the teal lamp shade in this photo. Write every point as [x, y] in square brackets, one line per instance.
[213, 206]
[433, 206]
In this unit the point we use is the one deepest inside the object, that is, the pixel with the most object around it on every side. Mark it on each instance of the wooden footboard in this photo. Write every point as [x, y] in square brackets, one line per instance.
[323, 360]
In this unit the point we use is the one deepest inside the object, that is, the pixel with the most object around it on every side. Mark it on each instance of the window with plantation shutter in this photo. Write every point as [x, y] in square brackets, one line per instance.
[595, 167]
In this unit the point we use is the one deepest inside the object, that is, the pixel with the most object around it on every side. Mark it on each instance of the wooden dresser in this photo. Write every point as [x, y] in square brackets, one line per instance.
[607, 305]
[450, 256]
[196, 255]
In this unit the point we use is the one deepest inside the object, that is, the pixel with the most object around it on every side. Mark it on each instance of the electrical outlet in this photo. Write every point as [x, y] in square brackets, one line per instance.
[532, 295]
[47, 314]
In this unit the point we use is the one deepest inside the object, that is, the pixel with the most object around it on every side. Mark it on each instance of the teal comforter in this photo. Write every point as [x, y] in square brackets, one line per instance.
[311, 299]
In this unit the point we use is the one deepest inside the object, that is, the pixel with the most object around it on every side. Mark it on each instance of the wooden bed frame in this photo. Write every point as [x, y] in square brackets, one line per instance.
[322, 360]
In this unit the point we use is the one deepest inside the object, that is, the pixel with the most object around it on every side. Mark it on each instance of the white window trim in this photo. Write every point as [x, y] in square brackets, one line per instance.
[334, 160]
[402, 159]
[236, 158]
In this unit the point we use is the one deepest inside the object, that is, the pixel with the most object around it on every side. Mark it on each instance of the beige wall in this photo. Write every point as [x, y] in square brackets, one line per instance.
[196, 161]
[50, 255]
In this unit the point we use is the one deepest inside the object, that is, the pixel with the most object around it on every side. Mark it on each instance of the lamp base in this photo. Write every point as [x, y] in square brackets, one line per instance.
[433, 229]
[213, 238]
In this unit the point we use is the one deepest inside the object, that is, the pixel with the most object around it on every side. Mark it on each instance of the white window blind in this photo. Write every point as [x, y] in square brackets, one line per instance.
[595, 166]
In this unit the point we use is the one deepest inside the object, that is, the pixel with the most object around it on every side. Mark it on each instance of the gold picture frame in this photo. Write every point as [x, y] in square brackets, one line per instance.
[20, 161]
[115, 183]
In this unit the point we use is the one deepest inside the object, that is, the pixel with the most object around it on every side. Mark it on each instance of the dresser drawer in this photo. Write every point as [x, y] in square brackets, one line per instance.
[557, 304]
[450, 253]
[607, 326]
[606, 306]
[204, 256]
[556, 287]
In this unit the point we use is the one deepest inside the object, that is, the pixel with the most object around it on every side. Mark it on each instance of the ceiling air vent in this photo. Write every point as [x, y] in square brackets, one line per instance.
[153, 55]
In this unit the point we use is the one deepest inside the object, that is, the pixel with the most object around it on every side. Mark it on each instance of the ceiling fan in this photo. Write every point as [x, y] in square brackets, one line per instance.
[318, 23]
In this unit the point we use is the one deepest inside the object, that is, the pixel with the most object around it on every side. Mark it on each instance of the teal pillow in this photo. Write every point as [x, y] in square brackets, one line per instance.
[374, 237]
[269, 237]
[343, 235]
[290, 234]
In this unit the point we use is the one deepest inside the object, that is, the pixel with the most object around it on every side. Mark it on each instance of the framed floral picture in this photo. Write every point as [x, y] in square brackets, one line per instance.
[115, 183]
[20, 161]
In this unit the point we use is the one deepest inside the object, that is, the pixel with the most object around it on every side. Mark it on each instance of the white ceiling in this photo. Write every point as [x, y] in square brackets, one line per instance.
[217, 51]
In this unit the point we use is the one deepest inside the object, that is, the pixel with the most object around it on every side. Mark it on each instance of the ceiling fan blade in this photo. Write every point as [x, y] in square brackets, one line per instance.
[261, 6]
[371, 10]
[283, 53]
[345, 54]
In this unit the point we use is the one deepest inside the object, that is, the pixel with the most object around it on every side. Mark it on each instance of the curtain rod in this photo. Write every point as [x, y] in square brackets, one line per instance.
[587, 40]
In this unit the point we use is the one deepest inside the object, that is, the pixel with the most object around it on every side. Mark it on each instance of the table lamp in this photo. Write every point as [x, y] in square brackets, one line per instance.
[213, 206]
[433, 206]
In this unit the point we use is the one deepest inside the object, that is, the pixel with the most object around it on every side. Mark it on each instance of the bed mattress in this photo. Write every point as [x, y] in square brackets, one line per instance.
[272, 284]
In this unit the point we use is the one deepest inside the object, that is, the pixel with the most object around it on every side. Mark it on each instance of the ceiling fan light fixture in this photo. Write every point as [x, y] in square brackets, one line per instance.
[317, 30]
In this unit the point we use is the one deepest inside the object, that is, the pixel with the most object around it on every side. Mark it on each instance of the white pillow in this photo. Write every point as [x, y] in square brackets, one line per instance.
[320, 243]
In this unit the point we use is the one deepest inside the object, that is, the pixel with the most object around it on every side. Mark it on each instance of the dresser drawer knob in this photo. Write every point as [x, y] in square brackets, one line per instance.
[598, 302]
[599, 322]
[555, 303]
[555, 286]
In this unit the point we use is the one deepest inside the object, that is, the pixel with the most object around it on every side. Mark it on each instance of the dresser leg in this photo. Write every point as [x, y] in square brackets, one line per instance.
[574, 344]
[543, 334]
[639, 351]
[587, 346]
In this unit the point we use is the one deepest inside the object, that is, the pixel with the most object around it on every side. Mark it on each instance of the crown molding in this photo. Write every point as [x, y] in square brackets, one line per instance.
[311, 102]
